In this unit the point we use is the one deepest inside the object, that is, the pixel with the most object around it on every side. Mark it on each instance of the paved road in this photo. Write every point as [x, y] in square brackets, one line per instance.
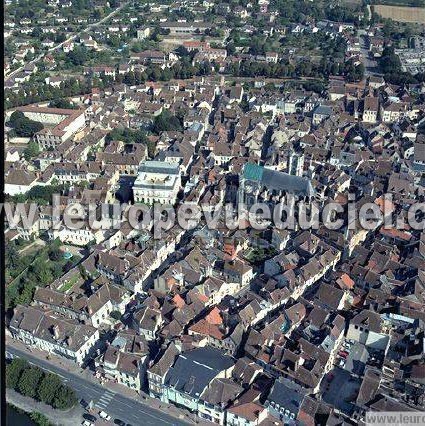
[370, 65]
[58, 46]
[118, 406]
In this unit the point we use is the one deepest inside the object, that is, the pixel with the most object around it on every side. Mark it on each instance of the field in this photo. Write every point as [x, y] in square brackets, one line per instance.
[401, 14]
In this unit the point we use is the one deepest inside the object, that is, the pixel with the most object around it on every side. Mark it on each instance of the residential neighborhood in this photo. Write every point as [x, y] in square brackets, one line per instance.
[138, 118]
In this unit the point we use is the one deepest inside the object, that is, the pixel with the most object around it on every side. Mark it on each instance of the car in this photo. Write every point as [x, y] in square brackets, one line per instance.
[87, 423]
[343, 354]
[119, 422]
[84, 403]
[330, 377]
[342, 363]
[89, 417]
[104, 415]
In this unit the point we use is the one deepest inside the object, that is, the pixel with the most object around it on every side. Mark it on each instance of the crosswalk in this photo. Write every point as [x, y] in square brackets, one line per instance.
[105, 399]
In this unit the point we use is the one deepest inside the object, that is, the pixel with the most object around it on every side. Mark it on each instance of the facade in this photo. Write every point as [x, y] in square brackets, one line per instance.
[371, 109]
[157, 182]
[60, 124]
[52, 333]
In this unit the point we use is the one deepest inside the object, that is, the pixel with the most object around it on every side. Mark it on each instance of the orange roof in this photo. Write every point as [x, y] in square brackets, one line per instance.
[385, 205]
[396, 233]
[214, 317]
[205, 329]
[347, 281]
[249, 411]
[178, 301]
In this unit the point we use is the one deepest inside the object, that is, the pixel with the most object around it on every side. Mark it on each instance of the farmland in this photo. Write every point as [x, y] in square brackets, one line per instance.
[401, 14]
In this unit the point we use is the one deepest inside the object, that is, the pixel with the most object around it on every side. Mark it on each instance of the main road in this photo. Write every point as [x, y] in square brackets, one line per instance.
[73, 37]
[118, 406]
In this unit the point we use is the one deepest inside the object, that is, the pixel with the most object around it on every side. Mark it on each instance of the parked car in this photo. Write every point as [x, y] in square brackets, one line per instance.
[89, 417]
[342, 363]
[84, 403]
[104, 415]
[119, 422]
[87, 423]
[343, 354]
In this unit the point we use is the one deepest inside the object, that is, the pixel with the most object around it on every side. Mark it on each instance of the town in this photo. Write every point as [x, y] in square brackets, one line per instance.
[214, 104]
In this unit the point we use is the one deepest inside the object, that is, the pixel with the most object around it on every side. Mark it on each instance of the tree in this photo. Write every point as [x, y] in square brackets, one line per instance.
[29, 381]
[62, 103]
[389, 62]
[65, 398]
[23, 126]
[31, 150]
[166, 122]
[39, 419]
[78, 56]
[14, 371]
[49, 388]
[115, 315]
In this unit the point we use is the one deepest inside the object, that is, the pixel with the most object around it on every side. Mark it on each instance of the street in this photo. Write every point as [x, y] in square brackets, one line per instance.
[370, 65]
[115, 404]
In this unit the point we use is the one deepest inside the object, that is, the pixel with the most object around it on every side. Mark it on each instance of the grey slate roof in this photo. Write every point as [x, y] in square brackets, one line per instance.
[194, 370]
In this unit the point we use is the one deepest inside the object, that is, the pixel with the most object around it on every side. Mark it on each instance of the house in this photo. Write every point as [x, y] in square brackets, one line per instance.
[157, 372]
[284, 400]
[53, 333]
[367, 328]
[370, 109]
[246, 414]
[19, 181]
[125, 360]
[321, 113]
[191, 374]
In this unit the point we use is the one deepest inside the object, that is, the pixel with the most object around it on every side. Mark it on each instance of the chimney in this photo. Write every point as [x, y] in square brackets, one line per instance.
[56, 330]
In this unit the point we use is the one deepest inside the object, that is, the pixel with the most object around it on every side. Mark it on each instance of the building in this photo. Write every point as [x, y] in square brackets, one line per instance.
[257, 181]
[190, 377]
[185, 27]
[125, 360]
[59, 124]
[143, 33]
[52, 333]
[157, 182]
[370, 109]
[284, 400]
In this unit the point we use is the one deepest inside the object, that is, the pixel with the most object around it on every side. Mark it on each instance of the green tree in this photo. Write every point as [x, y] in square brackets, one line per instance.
[14, 371]
[49, 388]
[65, 398]
[62, 103]
[39, 419]
[23, 126]
[29, 381]
[31, 150]
[166, 122]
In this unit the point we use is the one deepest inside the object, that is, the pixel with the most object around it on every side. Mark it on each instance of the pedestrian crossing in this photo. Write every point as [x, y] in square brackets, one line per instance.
[105, 399]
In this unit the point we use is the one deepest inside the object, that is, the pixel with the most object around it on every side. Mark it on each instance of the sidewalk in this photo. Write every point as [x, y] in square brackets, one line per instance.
[143, 398]
[70, 417]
